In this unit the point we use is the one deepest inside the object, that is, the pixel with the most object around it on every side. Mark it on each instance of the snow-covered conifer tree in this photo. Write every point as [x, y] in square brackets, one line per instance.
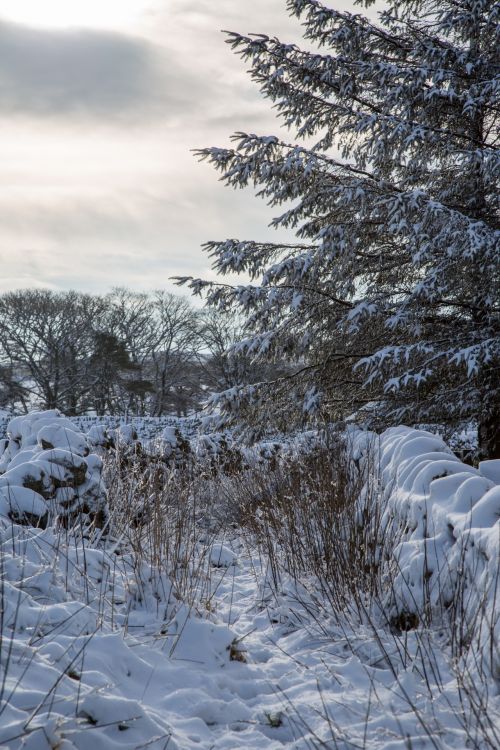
[389, 300]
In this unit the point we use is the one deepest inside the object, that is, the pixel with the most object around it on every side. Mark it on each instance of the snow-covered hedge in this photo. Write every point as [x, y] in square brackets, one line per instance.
[147, 428]
[445, 516]
[47, 469]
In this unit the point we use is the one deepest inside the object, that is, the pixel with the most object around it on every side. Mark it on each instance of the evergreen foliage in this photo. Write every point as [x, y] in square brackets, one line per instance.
[389, 301]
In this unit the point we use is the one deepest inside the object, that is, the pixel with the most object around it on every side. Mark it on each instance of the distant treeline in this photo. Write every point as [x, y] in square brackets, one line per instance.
[149, 354]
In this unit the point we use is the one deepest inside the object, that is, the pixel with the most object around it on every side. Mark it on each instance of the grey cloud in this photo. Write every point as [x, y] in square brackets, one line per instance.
[134, 212]
[139, 240]
[85, 72]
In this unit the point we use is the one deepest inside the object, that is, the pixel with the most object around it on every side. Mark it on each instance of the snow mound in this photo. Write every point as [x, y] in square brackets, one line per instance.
[59, 436]
[23, 506]
[222, 556]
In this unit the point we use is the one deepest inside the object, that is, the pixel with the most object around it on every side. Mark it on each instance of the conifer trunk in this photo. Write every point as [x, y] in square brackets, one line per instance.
[489, 428]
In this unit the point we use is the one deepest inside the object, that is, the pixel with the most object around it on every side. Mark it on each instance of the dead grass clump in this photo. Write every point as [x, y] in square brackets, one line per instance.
[163, 516]
[314, 515]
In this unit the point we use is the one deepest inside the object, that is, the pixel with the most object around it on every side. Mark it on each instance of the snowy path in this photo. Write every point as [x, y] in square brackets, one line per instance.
[303, 688]
[297, 687]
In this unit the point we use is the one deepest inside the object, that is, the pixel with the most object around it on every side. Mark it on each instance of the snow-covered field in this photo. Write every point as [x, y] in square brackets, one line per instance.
[116, 639]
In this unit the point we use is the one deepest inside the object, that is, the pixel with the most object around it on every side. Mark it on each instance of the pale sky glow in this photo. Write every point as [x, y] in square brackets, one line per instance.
[101, 102]
[77, 13]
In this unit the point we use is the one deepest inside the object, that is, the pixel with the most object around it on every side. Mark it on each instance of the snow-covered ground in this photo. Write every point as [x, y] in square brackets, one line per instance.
[99, 652]
[75, 677]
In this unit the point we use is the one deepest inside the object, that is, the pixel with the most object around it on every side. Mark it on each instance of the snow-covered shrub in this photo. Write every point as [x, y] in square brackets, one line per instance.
[176, 447]
[127, 434]
[219, 453]
[100, 437]
[267, 452]
[46, 456]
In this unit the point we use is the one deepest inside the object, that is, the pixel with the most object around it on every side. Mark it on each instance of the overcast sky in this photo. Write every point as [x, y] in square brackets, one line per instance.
[100, 104]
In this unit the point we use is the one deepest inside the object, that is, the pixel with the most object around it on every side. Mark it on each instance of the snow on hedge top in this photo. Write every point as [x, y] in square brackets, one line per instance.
[25, 429]
[491, 470]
